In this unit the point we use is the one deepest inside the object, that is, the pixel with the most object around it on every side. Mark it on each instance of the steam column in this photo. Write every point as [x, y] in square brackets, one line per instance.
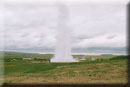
[63, 38]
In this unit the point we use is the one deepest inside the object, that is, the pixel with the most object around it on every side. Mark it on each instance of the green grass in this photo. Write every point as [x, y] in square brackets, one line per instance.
[29, 67]
[102, 70]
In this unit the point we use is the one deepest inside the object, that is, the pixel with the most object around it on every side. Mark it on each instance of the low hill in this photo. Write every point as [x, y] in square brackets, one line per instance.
[106, 54]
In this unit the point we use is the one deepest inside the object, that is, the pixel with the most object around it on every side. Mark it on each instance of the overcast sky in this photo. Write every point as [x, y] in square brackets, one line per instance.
[95, 27]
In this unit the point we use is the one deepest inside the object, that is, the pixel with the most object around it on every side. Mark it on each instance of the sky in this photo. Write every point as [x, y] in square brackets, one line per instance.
[96, 27]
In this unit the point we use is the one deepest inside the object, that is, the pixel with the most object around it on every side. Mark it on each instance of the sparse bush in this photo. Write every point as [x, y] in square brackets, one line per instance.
[119, 58]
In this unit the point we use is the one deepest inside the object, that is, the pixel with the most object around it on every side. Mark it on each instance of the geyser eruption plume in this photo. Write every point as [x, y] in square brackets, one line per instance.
[63, 38]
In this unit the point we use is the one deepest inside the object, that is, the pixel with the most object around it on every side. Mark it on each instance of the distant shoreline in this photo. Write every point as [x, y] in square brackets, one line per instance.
[73, 53]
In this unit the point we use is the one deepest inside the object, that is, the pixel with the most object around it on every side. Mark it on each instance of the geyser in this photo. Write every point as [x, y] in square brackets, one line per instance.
[63, 37]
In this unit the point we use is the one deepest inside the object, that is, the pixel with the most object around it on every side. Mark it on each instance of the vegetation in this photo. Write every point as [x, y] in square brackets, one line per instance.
[105, 69]
[16, 56]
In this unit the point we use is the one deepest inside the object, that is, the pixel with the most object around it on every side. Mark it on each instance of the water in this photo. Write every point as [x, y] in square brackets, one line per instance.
[63, 43]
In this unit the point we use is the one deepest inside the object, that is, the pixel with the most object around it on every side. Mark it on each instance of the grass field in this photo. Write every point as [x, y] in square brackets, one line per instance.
[102, 70]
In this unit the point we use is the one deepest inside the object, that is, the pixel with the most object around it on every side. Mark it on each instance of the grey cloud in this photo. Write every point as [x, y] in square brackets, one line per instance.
[111, 36]
[22, 17]
[24, 35]
[93, 27]
[101, 50]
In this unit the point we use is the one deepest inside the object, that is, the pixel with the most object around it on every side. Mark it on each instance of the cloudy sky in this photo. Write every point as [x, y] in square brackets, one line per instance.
[95, 27]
